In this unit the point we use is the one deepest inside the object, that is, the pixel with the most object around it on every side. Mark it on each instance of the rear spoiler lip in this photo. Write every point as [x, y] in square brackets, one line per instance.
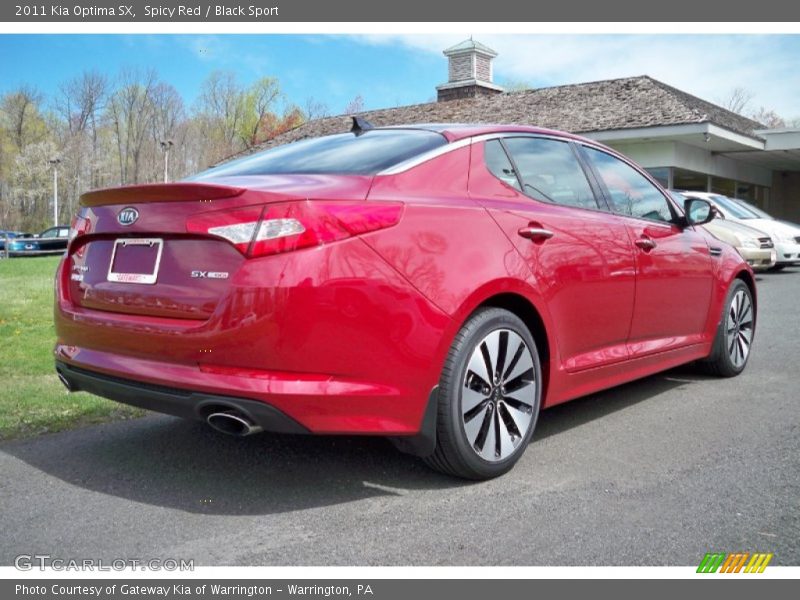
[159, 192]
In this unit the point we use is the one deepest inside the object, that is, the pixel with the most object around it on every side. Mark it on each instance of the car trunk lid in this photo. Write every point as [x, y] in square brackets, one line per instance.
[135, 252]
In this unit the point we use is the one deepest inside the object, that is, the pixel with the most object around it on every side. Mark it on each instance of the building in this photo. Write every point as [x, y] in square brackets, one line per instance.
[683, 141]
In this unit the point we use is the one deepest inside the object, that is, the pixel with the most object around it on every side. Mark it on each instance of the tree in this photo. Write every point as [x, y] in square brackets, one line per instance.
[80, 100]
[21, 116]
[221, 108]
[314, 109]
[107, 131]
[79, 103]
[768, 117]
[130, 111]
[168, 117]
[738, 100]
[356, 105]
[258, 103]
[274, 124]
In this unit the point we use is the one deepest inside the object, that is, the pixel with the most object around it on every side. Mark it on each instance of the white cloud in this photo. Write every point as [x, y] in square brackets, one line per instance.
[708, 65]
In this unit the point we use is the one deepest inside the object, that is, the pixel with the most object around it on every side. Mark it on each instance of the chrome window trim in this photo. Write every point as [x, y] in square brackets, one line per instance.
[404, 166]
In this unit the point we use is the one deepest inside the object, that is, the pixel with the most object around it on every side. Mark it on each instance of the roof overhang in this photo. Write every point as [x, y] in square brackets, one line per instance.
[706, 135]
[781, 150]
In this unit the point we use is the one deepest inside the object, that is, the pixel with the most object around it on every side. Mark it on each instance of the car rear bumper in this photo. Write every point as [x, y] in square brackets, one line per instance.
[315, 403]
[174, 401]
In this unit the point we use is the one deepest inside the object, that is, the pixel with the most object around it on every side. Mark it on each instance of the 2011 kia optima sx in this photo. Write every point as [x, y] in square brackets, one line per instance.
[437, 285]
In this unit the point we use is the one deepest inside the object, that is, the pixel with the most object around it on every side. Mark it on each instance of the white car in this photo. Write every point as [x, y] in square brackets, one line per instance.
[786, 237]
[764, 214]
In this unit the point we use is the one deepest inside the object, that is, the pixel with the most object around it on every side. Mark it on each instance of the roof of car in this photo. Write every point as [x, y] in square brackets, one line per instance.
[458, 131]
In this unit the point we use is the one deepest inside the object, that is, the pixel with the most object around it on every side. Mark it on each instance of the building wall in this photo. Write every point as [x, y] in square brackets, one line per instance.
[678, 154]
[460, 67]
[483, 68]
[784, 202]
[784, 193]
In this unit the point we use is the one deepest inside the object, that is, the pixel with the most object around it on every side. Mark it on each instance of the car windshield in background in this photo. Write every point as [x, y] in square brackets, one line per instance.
[754, 209]
[343, 154]
[734, 208]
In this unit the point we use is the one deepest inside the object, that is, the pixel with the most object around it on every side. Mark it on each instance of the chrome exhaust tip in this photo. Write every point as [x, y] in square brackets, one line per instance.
[232, 422]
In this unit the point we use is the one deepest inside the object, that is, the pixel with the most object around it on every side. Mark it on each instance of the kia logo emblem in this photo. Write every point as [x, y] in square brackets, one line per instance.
[127, 216]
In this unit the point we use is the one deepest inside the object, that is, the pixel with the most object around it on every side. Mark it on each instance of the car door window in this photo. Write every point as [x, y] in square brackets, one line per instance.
[630, 192]
[50, 233]
[550, 171]
[499, 165]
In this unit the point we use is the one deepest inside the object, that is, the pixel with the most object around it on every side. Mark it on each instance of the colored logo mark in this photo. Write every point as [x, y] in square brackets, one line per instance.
[737, 562]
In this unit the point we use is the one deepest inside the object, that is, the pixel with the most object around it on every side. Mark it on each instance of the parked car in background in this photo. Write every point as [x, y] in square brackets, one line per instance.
[8, 235]
[51, 241]
[765, 215]
[755, 246]
[785, 237]
[434, 284]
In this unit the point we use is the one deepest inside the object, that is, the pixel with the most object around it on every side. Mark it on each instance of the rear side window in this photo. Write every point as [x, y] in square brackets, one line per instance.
[498, 164]
[550, 171]
[343, 154]
[630, 192]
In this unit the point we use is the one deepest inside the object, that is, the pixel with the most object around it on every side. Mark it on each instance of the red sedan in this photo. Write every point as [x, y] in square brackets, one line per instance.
[435, 284]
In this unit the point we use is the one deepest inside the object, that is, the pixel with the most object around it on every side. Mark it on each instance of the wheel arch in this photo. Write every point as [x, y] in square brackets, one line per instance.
[523, 308]
[750, 282]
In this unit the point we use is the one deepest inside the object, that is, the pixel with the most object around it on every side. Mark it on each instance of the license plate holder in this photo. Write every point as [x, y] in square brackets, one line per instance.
[147, 249]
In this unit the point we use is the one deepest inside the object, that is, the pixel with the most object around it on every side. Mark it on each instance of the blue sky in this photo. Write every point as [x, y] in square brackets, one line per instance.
[391, 69]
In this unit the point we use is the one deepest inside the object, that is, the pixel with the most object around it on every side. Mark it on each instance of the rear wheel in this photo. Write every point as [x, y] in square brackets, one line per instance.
[489, 397]
[734, 338]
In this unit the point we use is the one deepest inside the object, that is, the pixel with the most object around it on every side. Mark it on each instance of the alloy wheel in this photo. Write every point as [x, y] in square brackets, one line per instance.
[739, 328]
[498, 395]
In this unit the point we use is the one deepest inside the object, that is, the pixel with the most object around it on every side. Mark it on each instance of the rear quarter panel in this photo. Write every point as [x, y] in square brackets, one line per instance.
[447, 246]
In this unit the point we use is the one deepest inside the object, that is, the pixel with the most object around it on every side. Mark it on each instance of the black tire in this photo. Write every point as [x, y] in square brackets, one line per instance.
[777, 268]
[512, 404]
[726, 358]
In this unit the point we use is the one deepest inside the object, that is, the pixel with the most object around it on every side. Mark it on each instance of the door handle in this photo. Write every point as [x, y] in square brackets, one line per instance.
[645, 243]
[535, 233]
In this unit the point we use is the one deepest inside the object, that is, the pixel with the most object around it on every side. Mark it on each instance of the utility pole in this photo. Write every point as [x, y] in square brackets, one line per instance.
[165, 146]
[55, 162]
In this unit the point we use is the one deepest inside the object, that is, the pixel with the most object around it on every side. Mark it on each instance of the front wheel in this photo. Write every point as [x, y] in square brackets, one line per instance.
[489, 397]
[734, 338]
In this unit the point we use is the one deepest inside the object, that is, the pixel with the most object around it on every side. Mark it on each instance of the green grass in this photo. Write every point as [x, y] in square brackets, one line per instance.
[32, 400]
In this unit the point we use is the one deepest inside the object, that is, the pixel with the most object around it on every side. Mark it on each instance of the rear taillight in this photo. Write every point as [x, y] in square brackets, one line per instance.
[80, 226]
[283, 227]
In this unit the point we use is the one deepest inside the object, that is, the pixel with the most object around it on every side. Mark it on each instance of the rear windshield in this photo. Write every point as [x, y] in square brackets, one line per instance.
[343, 154]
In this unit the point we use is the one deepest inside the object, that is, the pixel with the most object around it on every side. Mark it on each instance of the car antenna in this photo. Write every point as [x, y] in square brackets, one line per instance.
[360, 126]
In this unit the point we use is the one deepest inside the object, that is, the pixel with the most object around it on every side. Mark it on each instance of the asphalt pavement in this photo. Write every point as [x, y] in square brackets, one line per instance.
[656, 472]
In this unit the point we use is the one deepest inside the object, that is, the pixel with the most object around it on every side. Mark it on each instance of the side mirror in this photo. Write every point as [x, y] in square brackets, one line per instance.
[698, 211]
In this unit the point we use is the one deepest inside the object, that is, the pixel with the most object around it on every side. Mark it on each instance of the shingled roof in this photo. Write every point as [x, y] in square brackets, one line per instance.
[629, 103]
